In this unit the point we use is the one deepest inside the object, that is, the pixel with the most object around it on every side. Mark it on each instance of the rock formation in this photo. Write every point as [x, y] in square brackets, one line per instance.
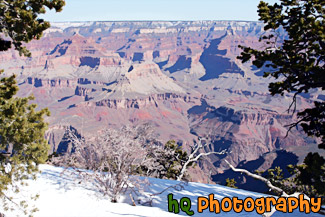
[183, 77]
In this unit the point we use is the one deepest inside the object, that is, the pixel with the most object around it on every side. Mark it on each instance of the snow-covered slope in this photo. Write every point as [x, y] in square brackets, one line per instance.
[61, 195]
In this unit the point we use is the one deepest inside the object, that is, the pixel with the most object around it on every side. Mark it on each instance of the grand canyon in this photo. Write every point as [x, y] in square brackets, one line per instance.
[181, 77]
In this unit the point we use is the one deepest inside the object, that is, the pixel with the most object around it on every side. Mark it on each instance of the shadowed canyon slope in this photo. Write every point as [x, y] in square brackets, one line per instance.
[182, 77]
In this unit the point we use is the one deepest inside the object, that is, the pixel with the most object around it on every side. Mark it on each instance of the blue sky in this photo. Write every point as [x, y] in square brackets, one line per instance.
[112, 10]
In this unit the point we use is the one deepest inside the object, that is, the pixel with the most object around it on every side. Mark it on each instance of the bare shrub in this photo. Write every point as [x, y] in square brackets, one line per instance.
[111, 160]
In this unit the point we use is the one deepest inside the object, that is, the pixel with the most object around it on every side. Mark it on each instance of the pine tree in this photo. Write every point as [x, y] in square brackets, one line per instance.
[310, 176]
[20, 23]
[231, 183]
[307, 178]
[171, 160]
[296, 60]
[22, 143]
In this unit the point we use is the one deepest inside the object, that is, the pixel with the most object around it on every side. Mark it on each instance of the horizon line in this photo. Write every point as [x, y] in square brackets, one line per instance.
[152, 21]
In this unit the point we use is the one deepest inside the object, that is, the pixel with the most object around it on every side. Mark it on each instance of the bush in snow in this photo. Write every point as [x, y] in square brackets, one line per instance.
[110, 160]
[167, 161]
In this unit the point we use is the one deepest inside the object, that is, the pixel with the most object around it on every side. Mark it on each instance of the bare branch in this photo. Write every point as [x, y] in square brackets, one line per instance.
[269, 184]
[293, 104]
[293, 125]
[178, 187]
[258, 177]
[109, 160]
[195, 156]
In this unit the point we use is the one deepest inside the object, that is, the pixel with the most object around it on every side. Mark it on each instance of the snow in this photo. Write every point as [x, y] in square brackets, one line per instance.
[8, 168]
[65, 25]
[62, 195]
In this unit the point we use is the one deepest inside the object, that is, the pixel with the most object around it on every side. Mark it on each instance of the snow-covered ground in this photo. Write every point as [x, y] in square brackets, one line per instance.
[61, 195]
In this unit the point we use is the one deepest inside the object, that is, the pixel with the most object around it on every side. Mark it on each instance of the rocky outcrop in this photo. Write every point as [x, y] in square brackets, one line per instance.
[83, 91]
[51, 83]
[246, 135]
[153, 100]
[58, 136]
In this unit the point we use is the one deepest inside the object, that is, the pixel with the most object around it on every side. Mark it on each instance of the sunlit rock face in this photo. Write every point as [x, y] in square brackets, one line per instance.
[182, 77]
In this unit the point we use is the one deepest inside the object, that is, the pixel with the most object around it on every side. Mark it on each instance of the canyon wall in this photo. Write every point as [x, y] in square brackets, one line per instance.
[182, 77]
